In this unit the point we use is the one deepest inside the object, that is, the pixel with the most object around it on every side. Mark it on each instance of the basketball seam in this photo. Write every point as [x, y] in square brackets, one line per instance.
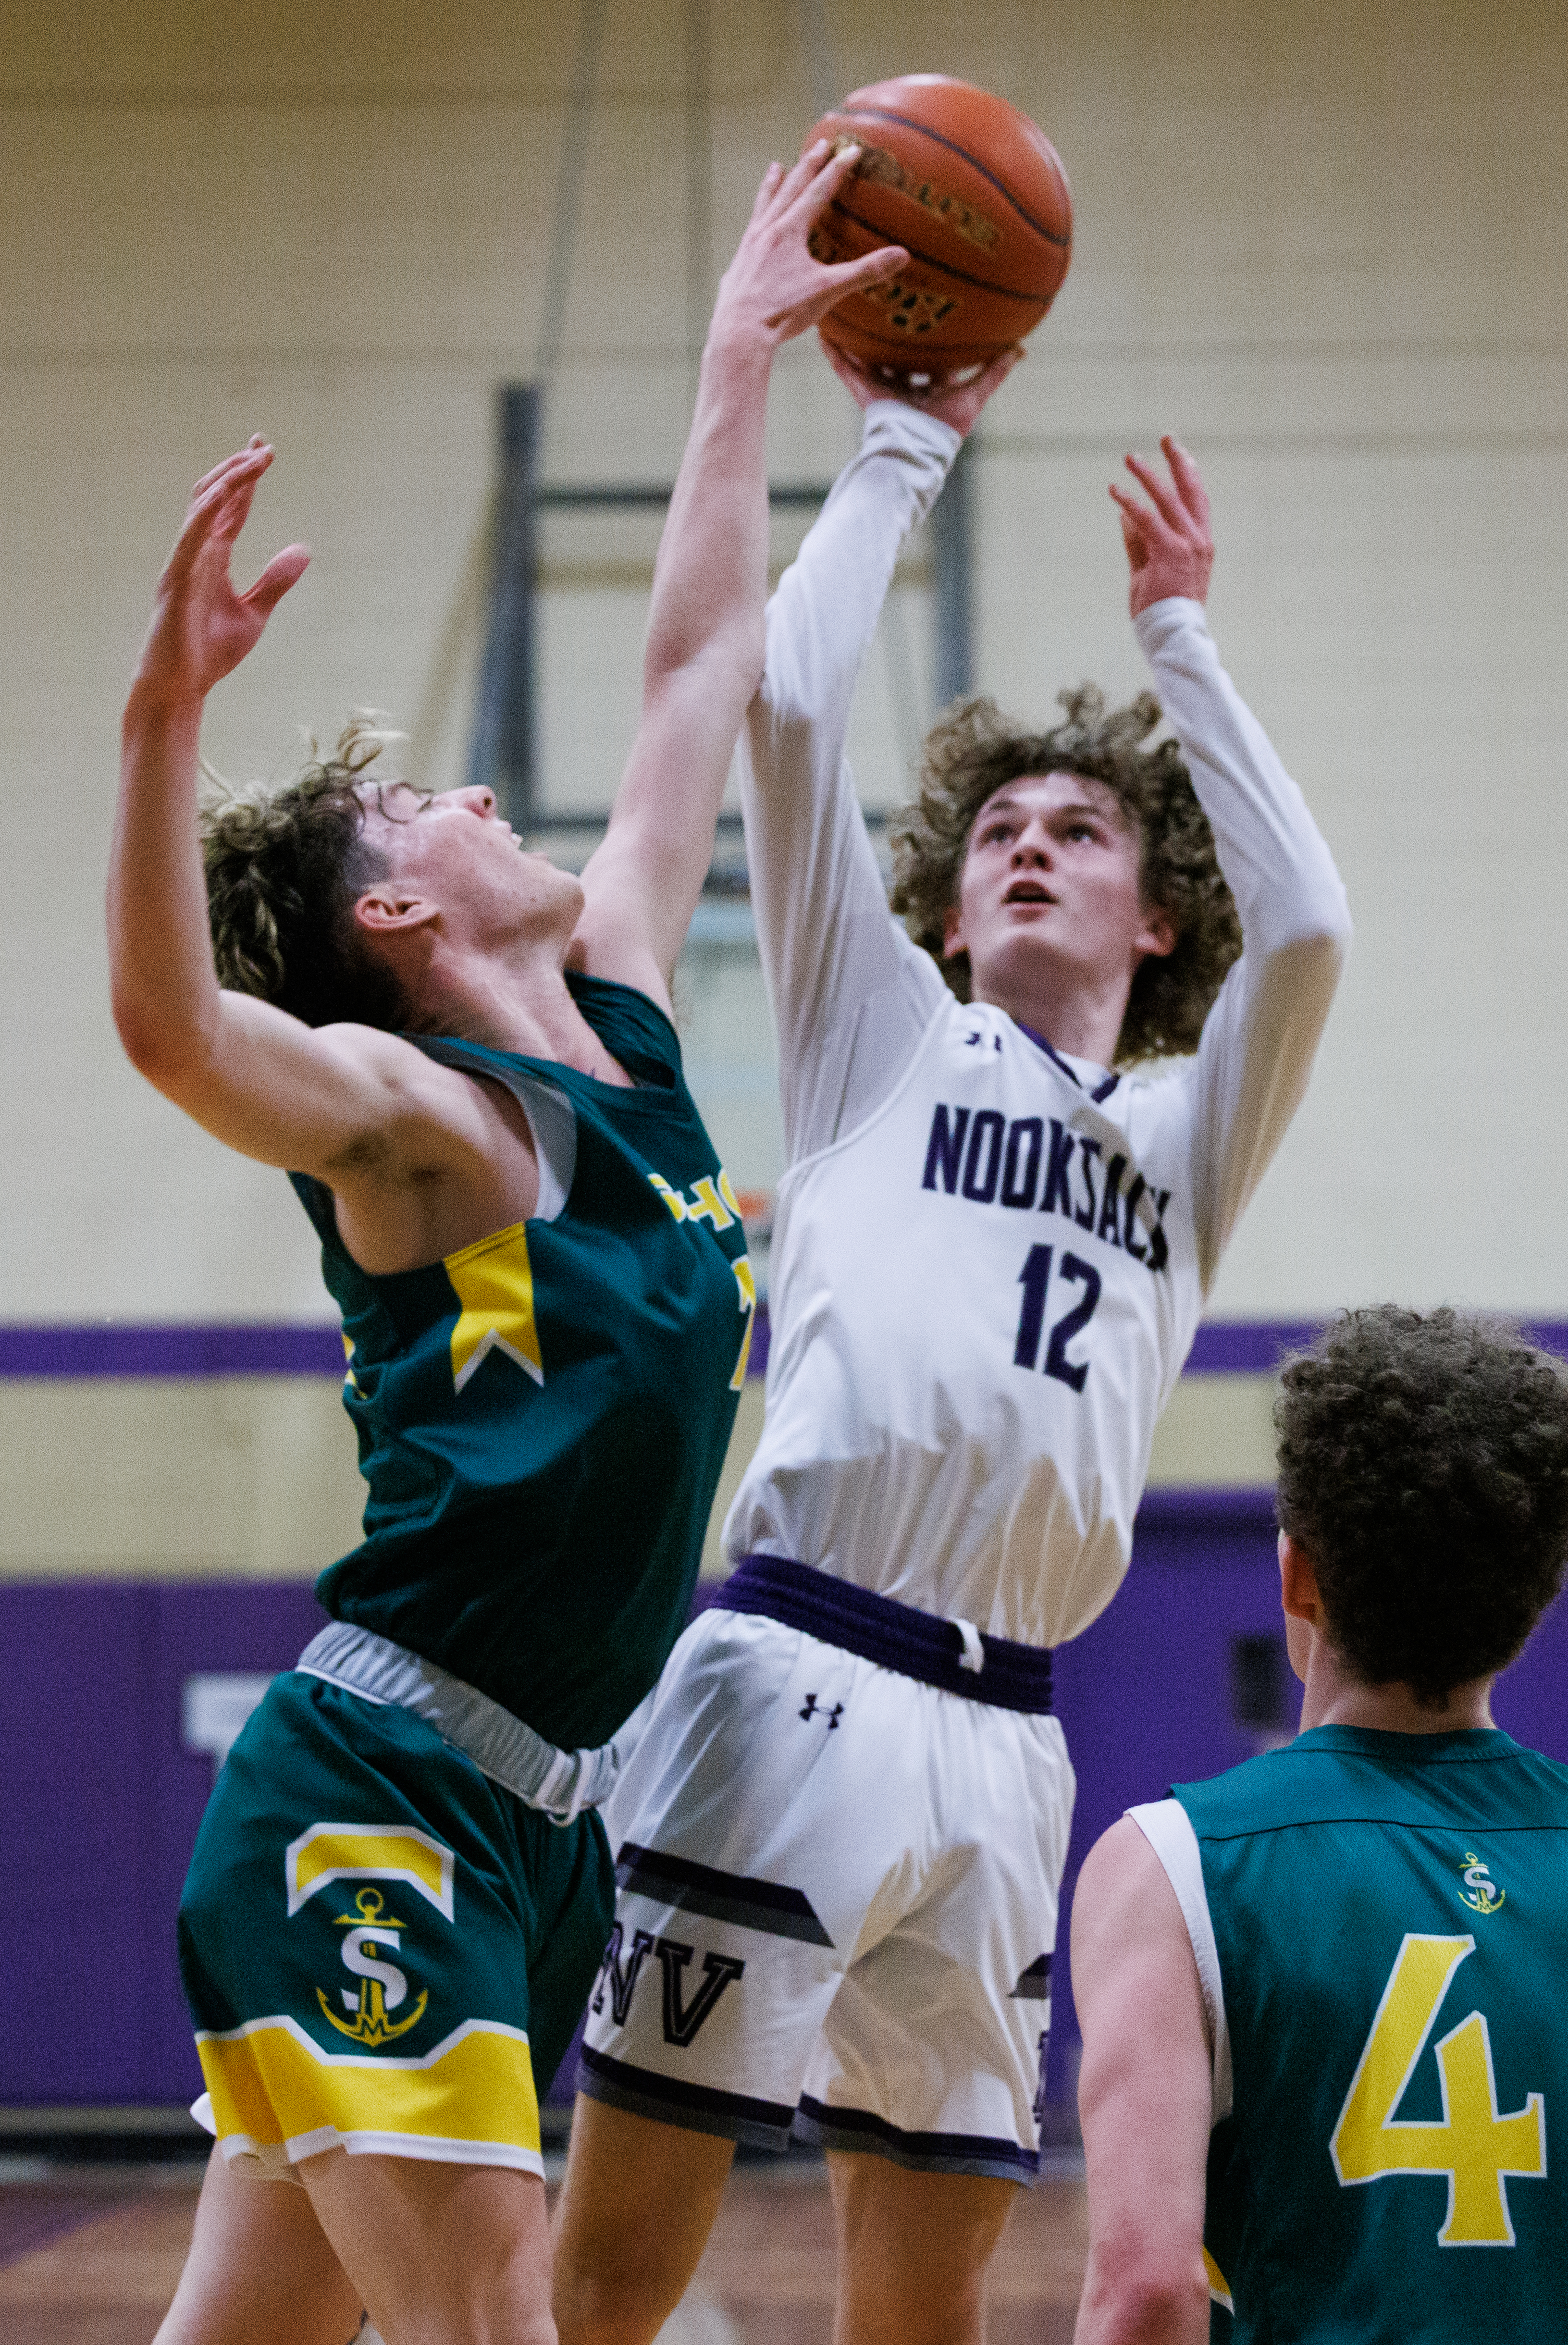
[981, 284]
[886, 114]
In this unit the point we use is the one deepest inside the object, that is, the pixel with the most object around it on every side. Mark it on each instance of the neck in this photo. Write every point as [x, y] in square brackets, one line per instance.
[518, 1002]
[1081, 1017]
[1334, 1698]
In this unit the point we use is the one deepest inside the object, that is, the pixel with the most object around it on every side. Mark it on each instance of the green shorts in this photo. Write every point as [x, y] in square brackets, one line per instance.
[383, 1949]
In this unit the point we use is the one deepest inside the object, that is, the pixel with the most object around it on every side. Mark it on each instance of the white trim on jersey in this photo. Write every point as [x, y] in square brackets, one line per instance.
[1168, 1828]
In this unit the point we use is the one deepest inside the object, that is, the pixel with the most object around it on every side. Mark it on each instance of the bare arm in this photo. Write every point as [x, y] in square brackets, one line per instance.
[317, 1101]
[1144, 2099]
[704, 652]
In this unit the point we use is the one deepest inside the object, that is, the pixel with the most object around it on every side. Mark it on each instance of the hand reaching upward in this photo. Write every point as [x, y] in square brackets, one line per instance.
[1169, 546]
[202, 627]
[773, 282]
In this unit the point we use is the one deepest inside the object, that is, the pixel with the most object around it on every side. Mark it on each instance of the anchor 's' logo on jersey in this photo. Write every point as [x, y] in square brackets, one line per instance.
[1479, 1893]
[371, 1933]
[988, 1159]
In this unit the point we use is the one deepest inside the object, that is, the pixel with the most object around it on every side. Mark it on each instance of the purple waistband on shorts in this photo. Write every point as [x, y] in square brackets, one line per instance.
[894, 1636]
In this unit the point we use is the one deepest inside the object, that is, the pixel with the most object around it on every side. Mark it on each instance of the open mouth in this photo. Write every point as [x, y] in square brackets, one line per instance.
[1028, 891]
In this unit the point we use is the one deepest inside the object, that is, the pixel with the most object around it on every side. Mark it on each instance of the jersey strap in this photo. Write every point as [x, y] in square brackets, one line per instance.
[952, 1655]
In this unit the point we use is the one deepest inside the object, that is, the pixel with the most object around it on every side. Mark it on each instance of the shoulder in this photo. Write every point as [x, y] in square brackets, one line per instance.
[1274, 1789]
[1125, 1896]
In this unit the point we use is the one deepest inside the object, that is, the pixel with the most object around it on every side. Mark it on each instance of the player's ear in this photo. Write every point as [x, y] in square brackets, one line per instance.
[387, 909]
[1298, 1592]
[953, 939]
[1157, 936]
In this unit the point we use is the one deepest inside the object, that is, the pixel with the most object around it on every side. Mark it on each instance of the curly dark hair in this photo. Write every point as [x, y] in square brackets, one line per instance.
[1423, 1466]
[972, 751]
[283, 872]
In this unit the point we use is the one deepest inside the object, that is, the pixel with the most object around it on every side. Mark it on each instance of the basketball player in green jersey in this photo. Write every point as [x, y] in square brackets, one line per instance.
[464, 1057]
[1328, 1984]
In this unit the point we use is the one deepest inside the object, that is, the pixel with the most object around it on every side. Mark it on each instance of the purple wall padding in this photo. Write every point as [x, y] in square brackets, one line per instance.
[1223, 1347]
[103, 1802]
[100, 1814]
[187, 1349]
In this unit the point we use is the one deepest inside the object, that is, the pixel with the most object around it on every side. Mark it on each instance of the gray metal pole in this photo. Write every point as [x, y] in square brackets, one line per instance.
[698, 185]
[952, 550]
[502, 754]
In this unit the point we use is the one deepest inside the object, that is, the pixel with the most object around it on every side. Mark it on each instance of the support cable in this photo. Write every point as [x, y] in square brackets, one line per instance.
[569, 186]
[817, 48]
[698, 187]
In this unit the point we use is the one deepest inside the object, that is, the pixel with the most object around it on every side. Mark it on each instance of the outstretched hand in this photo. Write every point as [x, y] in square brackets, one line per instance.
[201, 626]
[958, 404]
[1169, 548]
[773, 282]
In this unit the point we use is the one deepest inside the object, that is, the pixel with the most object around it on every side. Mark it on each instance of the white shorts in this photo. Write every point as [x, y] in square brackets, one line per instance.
[836, 1906]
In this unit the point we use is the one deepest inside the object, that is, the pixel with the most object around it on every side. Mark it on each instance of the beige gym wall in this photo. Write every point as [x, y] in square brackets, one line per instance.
[1328, 245]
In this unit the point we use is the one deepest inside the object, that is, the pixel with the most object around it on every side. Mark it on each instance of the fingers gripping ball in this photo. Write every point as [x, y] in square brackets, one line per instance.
[977, 195]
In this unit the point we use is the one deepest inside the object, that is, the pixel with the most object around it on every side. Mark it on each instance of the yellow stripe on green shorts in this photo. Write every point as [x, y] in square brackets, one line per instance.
[471, 2101]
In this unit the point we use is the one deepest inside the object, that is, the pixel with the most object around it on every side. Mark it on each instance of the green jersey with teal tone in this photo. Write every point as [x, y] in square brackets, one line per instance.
[543, 1416]
[1390, 1916]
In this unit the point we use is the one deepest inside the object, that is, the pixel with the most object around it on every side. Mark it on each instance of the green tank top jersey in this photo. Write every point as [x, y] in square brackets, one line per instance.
[1390, 1914]
[543, 1416]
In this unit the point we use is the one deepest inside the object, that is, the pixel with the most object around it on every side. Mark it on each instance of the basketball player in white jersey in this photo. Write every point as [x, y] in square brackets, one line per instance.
[841, 1839]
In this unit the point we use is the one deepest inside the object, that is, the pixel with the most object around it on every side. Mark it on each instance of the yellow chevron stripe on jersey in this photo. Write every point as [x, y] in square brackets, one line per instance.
[472, 2098]
[746, 1279]
[362, 1853]
[494, 1281]
[1218, 2285]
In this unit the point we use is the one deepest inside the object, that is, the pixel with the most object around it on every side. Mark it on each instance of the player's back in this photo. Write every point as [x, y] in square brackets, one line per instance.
[1390, 1916]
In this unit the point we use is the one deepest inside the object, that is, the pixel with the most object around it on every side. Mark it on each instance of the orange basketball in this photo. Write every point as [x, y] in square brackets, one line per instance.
[976, 194]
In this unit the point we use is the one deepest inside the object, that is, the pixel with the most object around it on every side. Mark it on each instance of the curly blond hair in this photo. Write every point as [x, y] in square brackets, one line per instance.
[972, 751]
[284, 870]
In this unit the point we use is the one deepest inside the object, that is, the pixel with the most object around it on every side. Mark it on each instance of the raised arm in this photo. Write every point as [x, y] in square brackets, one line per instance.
[704, 651]
[850, 992]
[311, 1100]
[1261, 1035]
[1145, 2100]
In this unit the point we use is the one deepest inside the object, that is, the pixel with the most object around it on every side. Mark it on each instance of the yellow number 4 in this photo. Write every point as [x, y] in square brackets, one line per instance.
[1475, 2145]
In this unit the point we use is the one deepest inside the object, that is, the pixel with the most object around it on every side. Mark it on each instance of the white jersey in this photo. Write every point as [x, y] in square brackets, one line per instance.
[988, 1261]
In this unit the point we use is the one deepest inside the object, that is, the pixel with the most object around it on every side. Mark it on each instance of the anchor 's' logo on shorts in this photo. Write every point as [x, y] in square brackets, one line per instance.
[371, 1931]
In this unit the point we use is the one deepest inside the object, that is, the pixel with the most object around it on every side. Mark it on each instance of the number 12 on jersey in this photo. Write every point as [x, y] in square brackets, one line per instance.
[1035, 1279]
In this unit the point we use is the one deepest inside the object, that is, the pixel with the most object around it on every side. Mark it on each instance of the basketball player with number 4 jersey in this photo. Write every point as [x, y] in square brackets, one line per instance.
[1324, 2077]
[840, 1837]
